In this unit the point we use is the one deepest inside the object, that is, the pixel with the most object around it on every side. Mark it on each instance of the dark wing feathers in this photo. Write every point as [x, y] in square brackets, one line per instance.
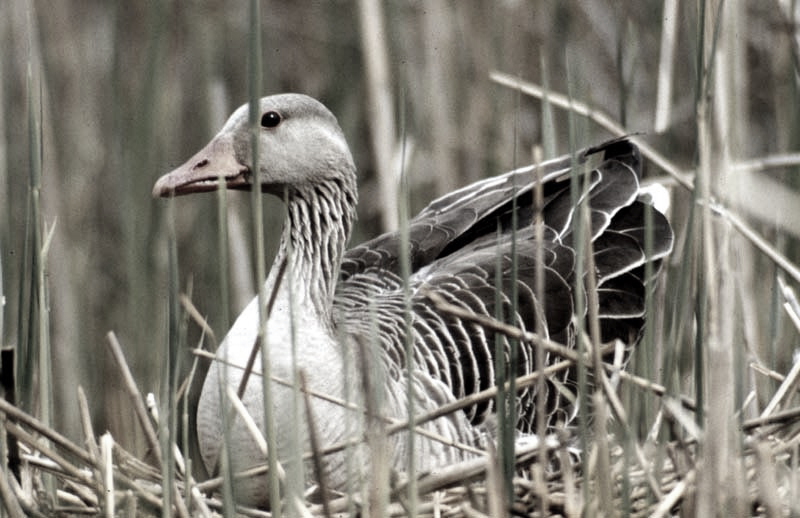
[630, 220]
[614, 254]
[466, 214]
[621, 297]
[458, 242]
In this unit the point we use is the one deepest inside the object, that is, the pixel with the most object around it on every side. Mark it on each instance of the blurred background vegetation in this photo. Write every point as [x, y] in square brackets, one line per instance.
[126, 91]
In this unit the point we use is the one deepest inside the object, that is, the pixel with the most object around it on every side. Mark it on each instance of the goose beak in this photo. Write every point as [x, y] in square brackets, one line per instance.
[206, 171]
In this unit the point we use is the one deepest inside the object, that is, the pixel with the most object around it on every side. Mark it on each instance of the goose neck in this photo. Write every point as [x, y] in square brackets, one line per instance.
[319, 222]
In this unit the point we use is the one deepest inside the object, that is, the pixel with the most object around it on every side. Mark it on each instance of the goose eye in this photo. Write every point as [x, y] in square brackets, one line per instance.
[270, 119]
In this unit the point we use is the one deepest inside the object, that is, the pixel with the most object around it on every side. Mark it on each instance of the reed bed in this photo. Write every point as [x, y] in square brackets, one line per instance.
[97, 100]
[98, 477]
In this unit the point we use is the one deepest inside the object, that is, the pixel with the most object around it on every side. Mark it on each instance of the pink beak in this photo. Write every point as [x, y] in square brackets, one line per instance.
[205, 171]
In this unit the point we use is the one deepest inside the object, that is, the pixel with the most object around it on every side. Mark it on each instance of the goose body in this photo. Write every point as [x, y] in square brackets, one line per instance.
[340, 311]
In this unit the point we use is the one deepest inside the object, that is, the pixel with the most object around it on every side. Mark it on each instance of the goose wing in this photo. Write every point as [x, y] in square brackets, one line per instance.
[460, 217]
[462, 246]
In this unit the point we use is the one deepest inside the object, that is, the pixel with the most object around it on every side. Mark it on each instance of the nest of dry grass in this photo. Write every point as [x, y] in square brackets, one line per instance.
[684, 470]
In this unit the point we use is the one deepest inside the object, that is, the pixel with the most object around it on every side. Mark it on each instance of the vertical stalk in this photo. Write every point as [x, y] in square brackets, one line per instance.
[579, 240]
[170, 374]
[508, 453]
[39, 295]
[36, 353]
[548, 139]
[381, 106]
[222, 250]
[405, 273]
[254, 86]
[501, 373]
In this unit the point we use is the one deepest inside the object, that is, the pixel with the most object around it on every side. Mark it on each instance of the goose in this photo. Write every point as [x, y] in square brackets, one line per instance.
[336, 310]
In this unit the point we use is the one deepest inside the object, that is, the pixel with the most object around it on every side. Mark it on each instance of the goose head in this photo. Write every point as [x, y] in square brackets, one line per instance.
[300, 145]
